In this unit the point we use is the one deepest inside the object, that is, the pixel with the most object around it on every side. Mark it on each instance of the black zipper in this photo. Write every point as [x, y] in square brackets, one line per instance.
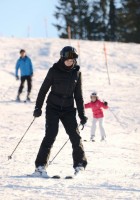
[66, 90]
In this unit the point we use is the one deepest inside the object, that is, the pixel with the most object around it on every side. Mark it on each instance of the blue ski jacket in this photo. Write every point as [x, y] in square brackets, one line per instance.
[25, 66]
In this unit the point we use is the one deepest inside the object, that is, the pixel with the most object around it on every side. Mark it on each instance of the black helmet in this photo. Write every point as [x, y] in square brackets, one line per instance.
[68, 52]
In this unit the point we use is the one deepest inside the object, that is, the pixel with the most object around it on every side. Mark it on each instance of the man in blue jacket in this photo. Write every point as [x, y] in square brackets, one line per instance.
[26, 71]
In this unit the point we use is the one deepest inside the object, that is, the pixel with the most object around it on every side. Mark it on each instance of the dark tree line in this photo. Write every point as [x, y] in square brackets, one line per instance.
[110, 20]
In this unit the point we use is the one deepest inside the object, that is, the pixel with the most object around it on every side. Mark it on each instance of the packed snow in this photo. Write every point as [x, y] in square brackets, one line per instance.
[113, 170]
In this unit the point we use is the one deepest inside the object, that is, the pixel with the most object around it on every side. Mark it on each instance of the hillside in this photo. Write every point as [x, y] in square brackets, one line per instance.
[113, 166]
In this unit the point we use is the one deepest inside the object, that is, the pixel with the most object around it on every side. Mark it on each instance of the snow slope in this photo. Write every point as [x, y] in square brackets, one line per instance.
[113, 170]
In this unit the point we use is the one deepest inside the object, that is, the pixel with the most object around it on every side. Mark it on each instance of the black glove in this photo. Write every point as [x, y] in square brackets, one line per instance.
[17, 77]
[105, 103]
[37, 112]
[83, 121]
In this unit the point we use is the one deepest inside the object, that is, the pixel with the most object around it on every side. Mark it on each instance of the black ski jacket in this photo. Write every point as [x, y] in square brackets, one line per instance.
[65, 85]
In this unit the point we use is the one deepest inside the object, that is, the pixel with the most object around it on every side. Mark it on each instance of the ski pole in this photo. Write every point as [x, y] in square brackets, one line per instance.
[58, 152]
[116, 118]
[10, 157]
[61, 148]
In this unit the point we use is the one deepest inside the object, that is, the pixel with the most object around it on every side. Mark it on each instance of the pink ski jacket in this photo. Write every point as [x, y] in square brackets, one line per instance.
[96, 108]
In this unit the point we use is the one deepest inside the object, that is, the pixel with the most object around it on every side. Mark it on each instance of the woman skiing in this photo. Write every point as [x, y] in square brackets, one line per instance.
[64, 79]
[96, 105]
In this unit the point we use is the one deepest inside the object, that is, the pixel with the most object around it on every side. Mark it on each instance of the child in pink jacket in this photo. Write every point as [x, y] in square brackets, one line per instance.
[96, 105]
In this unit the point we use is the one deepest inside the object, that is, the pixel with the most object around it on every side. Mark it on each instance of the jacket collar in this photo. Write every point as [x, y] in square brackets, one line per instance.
[60, 66]
[24, 58]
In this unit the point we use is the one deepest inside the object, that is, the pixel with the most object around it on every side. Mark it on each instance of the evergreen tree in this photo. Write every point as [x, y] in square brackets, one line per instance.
[112, 21]
[73, 13]
[99, 19]
[95, 30]
[104, 19]
[129, 21]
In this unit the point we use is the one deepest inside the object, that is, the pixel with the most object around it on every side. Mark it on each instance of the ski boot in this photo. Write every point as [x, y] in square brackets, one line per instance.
[18, 98]
[92, 139]
[28, 97]
[40, 172]
[103, 138]
[78, 169]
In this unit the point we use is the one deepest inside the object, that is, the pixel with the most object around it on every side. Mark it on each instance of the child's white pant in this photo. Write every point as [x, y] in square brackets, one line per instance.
[93, 128]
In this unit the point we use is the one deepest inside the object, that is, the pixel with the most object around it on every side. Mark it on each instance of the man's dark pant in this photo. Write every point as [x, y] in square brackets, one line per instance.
[29, 84]
[68, 119]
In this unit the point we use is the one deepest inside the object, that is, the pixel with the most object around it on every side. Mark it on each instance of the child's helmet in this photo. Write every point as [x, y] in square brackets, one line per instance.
[68, 52]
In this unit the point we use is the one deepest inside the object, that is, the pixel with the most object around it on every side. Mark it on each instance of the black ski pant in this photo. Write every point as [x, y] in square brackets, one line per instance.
[29, 84]
[68, 119]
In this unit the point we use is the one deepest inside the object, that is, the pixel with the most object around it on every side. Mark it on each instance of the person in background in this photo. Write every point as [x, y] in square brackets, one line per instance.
[64, 79]
[25, 66]
[96, 105]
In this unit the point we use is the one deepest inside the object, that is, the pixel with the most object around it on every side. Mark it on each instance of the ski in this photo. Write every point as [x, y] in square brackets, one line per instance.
[53, 177]
[23, 101]
[102, 140]
[28, 101]
[89, 140]
[49, 177]
[77, 173]
[69, 177]
[56, 177]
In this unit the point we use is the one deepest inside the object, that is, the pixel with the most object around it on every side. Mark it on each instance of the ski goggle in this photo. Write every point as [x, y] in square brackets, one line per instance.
[69, 55]
[93, 94]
